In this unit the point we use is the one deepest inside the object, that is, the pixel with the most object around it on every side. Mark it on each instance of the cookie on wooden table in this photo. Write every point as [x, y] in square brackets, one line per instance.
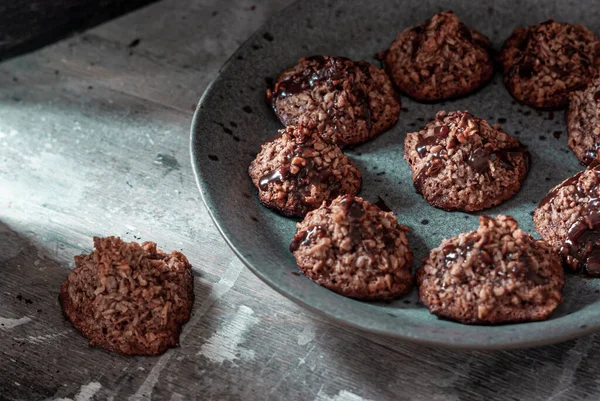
[583, 122]
[355, 249]
[495, 274]
[348, 102]
[568, 218]
[543, 63]
[439, 59]
[129, 298]
[460, 162]
[297, 171]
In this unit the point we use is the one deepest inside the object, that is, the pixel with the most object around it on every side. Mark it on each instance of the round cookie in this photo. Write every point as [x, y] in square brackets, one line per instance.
[460, 162]
[496, 274]
[568, 218]
[355, 249]
[129, 298]
[348, 102]
[439, 59]
[543, 63]
[583, 122]
[297, 171]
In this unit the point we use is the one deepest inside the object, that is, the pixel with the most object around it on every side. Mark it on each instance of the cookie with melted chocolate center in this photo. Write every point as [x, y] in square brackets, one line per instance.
[347, 102]
[495, 274]
[354, 248]
[460, 162]
[297, 171]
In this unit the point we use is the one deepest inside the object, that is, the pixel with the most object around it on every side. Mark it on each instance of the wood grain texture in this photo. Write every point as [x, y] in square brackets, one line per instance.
[82, 125]
[26, 25]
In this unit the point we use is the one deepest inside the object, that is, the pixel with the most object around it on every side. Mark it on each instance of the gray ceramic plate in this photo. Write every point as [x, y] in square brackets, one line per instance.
[232, 121]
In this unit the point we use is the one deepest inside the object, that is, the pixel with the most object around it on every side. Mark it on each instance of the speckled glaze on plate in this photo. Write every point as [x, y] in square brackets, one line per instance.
[232, 121]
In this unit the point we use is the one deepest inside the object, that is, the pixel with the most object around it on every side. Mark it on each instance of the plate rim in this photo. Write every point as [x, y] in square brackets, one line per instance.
[435, 339]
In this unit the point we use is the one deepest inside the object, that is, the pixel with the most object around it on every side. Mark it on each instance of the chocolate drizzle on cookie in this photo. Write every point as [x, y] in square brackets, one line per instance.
[354, 211]
[276, 176]
[337, 73]
[325, 69]
[424, 142]
[479, 159]
[521, 268]
[552, 194]
[592, 154]
[431, 169]
[305, 237]
[581, 247]
[301, 171]
[453, 253]
[495, 274]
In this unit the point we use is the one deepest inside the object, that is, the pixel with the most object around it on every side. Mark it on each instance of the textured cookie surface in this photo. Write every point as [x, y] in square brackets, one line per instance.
[439, 59]
[348, 102]
[583, 122]
[568, 218]
[543, 63]
[460, 162]
[297, 171]
[496, 274]
[355, 249]
[129, 298]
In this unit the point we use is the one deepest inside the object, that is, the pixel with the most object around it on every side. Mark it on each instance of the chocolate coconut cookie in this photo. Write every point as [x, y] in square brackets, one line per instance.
[583, 122]
[460, 162]
[543, 63]
[439, 59]
[348, 102]
[297, 171]
[129, 298]
[496, 274]
[568, 218]
[355, 249]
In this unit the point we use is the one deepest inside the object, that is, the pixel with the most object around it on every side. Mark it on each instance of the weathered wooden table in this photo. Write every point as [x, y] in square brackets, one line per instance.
[94, 138]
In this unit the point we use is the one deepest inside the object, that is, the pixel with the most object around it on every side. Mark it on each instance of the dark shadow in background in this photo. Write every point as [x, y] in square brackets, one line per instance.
[28, 25]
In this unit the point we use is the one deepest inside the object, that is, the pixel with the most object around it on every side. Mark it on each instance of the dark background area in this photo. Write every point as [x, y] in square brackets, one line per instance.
[26, 25]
